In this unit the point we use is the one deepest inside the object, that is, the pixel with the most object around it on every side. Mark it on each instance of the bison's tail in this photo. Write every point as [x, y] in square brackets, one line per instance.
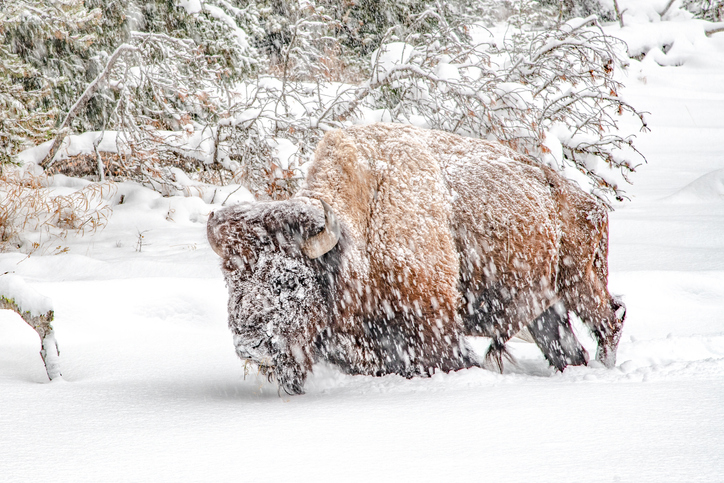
[495, 355]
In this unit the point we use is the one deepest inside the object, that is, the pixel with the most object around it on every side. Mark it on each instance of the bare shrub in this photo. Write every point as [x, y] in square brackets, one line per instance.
[547, 79]
[547, 89]
[559, 78]
[32, 216]
[712, 10]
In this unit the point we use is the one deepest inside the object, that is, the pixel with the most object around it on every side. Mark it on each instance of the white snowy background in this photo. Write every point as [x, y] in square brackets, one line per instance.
[153, 391]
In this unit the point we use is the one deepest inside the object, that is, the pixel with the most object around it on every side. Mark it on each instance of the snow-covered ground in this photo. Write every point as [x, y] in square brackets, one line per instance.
[152, 389]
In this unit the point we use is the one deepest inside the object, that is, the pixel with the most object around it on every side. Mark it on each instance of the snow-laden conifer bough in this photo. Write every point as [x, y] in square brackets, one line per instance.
[37, 310]
[421, 238]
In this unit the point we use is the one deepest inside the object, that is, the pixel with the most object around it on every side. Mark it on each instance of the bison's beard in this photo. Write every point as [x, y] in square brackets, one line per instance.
[289, 374]
[273, 315]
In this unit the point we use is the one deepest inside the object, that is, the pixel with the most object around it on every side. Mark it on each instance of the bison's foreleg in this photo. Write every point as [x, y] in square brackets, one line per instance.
[553, 334]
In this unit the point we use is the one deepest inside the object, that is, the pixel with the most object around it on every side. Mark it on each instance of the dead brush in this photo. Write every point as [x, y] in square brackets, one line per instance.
[28, 206]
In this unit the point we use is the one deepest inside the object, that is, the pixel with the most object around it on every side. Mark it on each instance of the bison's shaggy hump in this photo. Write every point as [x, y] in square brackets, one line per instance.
[393, 194]
[438, 237]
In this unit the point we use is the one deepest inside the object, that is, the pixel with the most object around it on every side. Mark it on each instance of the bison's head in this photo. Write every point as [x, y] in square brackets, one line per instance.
[280, 261]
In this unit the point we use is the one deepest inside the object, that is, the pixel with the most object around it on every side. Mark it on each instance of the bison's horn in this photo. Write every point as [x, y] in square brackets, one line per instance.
[317, 245]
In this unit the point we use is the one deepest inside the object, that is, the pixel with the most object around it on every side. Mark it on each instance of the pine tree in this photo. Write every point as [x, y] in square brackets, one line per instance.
[32, 77]
[24, 121]
[68, 43]
[55, 38]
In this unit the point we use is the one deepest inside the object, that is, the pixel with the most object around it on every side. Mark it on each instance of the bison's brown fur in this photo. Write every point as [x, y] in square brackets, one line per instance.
[441, 237]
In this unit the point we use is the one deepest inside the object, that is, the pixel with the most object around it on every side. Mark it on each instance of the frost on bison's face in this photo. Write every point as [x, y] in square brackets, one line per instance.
[278, 294]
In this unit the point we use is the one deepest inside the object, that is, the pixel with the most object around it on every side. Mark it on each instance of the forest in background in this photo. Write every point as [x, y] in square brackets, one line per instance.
[238, 92]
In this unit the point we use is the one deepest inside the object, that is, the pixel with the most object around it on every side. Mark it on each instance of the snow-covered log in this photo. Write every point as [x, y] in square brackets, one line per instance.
[422, 238]
[37, 310]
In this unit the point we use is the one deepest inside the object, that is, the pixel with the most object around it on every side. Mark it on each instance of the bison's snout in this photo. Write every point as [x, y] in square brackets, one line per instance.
[289, 379]
[273, 362]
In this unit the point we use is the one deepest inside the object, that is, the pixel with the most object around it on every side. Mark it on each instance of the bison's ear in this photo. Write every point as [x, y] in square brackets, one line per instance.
[317, 245]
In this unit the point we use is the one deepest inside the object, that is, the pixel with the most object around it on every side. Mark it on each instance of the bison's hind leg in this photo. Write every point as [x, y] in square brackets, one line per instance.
[609, 334]
[553, 334]
[604, 319]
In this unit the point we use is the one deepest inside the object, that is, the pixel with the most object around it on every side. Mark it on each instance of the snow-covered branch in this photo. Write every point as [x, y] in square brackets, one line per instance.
[558, 79]
[37, 311]
[82, 101]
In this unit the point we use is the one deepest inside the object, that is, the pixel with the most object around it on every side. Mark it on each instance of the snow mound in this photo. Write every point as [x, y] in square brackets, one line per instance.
[709, 187]
[194, 144]
[72, 146]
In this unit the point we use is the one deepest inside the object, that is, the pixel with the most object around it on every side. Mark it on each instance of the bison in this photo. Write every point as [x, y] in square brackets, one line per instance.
[405, 241]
